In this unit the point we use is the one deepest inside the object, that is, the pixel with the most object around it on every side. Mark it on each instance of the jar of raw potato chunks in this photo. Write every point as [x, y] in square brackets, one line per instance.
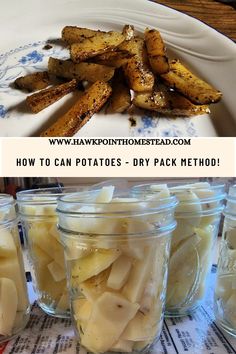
[14, 303]
[117, 251]
[225, 291]
[198, 215]
[37, 209]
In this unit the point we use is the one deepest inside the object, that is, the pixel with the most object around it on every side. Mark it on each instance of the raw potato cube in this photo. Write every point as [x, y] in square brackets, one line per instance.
[38, 235]
[74, 250]
[189, 203]
[8, 306]
[56, 271]
[119, 272]
[86, 267]
[105, 195]
[230, 237]
[224, 286]
[51, 290]
[11, 268]
[138, 276]
[122, 345]
[7, 245]
[64, 303]
[142, 327]
[110, 315]
[93, 287]
[40, 257]
[82, 309]
[230, 309]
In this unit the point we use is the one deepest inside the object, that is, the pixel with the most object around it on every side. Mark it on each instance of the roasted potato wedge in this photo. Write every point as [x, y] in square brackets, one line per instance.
[80, 71]
[89, 103]
[128, 32]
[99, 43]
[195, 89]
[136, 70]
[113, 58]
[167, 102]
[33, 82]
[120, 99]
[44, 98]
[156, 51]
[74, 34]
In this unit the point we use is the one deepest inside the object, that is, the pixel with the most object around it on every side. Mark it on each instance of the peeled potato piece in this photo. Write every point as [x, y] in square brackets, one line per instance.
[11, 268]
[8, 305]
[93, 264]
[110, 315]
[7, 245]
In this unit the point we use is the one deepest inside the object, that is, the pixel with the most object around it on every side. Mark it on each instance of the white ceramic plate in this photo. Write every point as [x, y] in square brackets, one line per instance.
[26, 25]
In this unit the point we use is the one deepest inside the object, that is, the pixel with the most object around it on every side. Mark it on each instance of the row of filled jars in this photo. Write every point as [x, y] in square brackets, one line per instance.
[115, 260]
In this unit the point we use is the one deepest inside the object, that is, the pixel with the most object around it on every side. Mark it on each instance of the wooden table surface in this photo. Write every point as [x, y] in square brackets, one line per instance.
[218, 15]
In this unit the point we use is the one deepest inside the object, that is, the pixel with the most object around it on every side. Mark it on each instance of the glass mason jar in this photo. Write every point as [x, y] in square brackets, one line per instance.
[116, 250]
[14, 302]
[37, 209]
[198, 215]
[225, 291]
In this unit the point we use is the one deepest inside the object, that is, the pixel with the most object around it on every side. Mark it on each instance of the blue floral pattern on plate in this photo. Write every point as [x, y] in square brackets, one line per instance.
[2, 111]
[33, 57]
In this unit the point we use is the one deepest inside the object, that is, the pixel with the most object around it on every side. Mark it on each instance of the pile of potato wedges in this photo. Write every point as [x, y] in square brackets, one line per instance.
[120, 69]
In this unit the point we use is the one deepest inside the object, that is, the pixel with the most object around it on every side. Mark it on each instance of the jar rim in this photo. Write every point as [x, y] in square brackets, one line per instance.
[7, 207]
[45, 195]
[220, 187]
[157, 232]
[64, 202]
[6, 199]
[230, 199]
